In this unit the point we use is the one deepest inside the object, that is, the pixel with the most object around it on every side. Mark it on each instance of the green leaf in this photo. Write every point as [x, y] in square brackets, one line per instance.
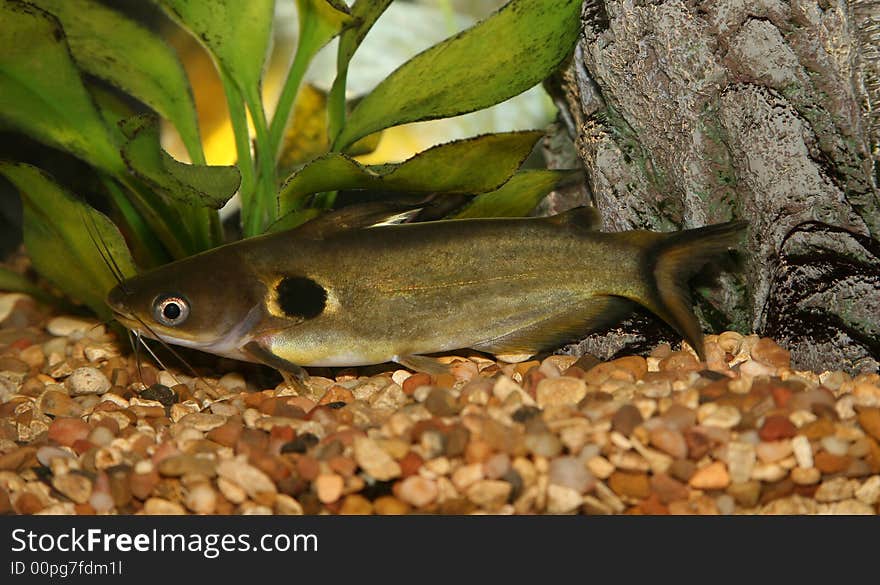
[196, 185]
[474, 165]
[58, 234]
[502, 56]
[235, 32]
[518, 196]
[364, 13]
[319, 22]
[293, 219]
[43, 94]
[107, 45]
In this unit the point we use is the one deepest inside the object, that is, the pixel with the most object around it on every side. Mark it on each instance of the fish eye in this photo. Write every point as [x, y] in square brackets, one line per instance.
[170, 310]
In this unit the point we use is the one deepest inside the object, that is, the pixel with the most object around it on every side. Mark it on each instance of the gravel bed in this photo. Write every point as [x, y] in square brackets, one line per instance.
[83, 432]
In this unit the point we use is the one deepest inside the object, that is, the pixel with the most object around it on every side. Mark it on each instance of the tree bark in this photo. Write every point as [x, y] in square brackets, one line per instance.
[687, 113]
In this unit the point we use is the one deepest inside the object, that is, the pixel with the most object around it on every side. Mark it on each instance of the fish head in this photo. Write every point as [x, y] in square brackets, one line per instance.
[209, 302]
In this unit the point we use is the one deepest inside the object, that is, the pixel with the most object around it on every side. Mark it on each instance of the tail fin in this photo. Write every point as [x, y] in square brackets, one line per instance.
[672, 260]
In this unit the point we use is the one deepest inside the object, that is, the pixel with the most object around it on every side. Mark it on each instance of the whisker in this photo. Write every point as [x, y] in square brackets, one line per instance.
[168, 347]
[158, 361]
[135, 338]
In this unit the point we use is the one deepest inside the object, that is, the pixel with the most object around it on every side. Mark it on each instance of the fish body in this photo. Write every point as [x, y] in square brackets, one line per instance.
[333, 294]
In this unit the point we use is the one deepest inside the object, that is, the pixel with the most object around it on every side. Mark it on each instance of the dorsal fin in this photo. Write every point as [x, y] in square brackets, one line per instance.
[357, 216]
[584, 217]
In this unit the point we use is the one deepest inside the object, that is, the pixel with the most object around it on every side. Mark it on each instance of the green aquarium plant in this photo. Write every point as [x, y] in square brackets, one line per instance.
[65, 66]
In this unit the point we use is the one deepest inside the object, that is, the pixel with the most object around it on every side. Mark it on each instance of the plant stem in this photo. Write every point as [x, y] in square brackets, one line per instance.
[238, 118]
[163, 221]
[305, 50]
[265, 205]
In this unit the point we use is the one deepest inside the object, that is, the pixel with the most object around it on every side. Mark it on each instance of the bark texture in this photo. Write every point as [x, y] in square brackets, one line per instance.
[690, 113]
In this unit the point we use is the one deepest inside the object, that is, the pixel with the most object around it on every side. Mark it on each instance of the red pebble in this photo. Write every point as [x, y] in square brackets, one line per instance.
[410, 464]
[781, 395]
[777, 427]
[67, 431]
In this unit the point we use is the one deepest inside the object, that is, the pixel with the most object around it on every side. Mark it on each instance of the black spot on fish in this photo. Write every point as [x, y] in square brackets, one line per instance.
[301, 297]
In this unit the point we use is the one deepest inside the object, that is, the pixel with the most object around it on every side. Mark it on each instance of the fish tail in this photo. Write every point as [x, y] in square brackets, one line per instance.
[671, 260]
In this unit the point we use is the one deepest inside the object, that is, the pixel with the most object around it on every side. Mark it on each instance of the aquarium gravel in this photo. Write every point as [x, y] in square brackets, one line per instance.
[85, 430]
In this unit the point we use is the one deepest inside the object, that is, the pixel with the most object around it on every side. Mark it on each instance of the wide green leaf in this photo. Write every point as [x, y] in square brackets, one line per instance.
[518, 196]
[500, 57]
[65, 238]
[42, 93]
[235, 32]
[364, 14]
[474, 165]
[107, 45]
[195, 185]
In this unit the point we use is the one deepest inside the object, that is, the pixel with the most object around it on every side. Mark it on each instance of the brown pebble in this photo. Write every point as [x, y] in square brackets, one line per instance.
[410, 464]
[17, 458]
[28, 503]
[633, 485]
[307, 467]
[869, 419]
[415, 381]
[746, 494]
[336, 393]
[776, 490]
[226, 434]
[679, 361]
[777, 427]
[668, 489]
[817, 429]
[5, 503]
[356, 505]
[60, 404]
[440, 402]
[142, 484]
[828, 463]
[389, 506]
[682, 469]
[680, 417]
[344, 466]
[626, 419]
[698, 442]
[768, 352]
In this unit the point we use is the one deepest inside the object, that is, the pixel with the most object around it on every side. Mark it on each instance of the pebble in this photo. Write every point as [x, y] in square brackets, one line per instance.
[373, 460]
[626, 419]
[440, 402]
[869, 419]
[67, 431]
[329, 487]
[773, 451]
[201, 498]
[805, 475]
[741, 459]
[777, 427]
[162, 507]
[869, 492]
[59, 404]
[179, 465]
[390, 506]
[836, 489]
[632, 485]
[46, 454]
[246, 476]
[87, 380]
[562, 499]
[489, 494]
[712, 477]
[417, 491]
[560, 391]
[570, 472]
[64, 325]
[669, 441]
[75, 486]
[803, 452]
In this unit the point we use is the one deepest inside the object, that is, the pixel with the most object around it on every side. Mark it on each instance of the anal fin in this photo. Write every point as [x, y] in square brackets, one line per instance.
[558, 329]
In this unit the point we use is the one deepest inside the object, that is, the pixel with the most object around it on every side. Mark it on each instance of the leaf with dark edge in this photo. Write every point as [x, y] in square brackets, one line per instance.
[518, 196]
[498, 58]
[112, 47]
[58, 236]
[473, 165]
[196, 185]
[42, 93]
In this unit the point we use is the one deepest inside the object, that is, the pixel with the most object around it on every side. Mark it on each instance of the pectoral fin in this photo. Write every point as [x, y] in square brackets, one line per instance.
[289, 370]
[421, 363]
[559, 329]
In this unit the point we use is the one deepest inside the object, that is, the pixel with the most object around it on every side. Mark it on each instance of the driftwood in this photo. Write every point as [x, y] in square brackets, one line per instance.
[690, 113]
